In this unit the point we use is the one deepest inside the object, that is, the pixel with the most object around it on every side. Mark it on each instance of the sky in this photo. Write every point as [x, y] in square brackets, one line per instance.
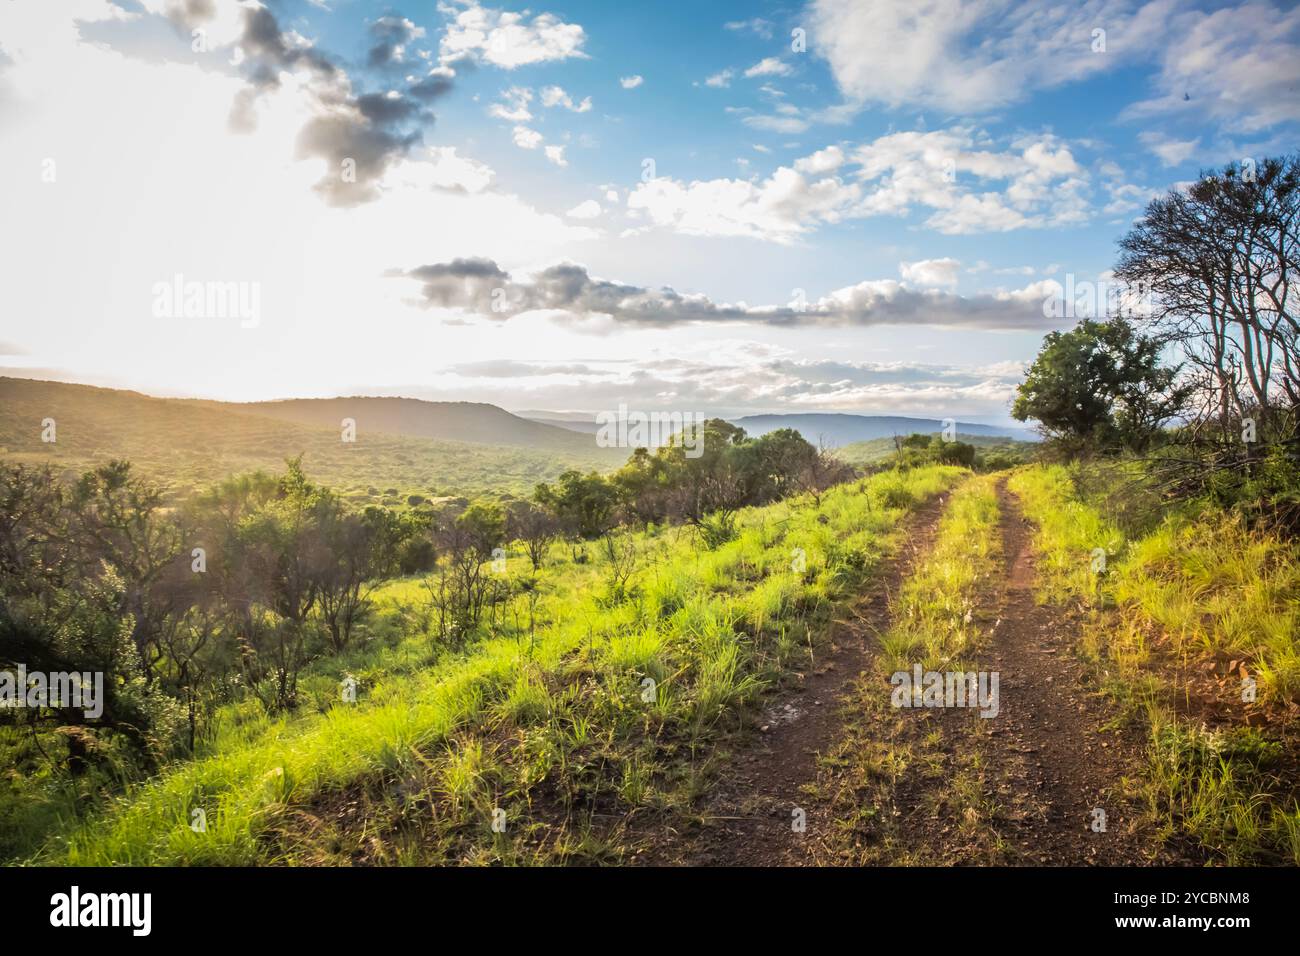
[726, 208]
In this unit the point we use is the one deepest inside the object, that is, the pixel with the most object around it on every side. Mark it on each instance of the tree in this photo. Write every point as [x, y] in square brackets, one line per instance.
[584, 504]
[536, 527]
[644, 487]
[1101, 383]
[779, 463]
[355, 549]
[1217, 261]
[460, 588]
[118, 518]
[65, 606]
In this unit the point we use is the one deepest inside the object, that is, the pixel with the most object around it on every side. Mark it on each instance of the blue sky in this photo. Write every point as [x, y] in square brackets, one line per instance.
[722, 207]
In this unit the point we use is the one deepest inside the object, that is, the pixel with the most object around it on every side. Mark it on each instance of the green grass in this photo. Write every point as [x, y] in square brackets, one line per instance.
[550, 726]
[1172, 611]
[875, 451]
[935, 621]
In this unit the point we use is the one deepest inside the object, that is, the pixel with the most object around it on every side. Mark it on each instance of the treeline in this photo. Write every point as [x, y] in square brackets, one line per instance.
[233, 594]
[918, 450]
[1198, 371]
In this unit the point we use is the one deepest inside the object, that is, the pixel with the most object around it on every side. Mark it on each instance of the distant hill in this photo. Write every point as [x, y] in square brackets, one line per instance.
[835, 428]
[542, 415]
[446, 421]
[186, 443]
[583, 426]
[844, 429]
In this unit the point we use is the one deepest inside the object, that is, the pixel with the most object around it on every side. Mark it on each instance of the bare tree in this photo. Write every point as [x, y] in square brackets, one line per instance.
[1216, 262]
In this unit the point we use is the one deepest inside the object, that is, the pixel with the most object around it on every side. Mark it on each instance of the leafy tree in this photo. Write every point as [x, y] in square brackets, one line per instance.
[356, 549]
[1100, 383]
[64, 607]
[585, 504]
[644, 487]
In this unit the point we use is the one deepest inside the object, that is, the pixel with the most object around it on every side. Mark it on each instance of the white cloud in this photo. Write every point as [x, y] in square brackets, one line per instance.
[589, 209]
[779, 208]
[1171, 152]
[755, 25]
[526, 138]
[448, 170]
[743, 376]
[510, 40]
[769, 66]
[822, 161]
[776, 124]
[970, 56]
[720, 80]
[515, 108]
[631, 82]
[950, 171]
[1126, 198]
[553, 96]
[556, 155]
[931, 273]
[1239, 65]
[968, 185]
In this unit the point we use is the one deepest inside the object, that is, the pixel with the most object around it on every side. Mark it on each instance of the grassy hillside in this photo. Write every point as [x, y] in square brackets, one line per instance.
[185, 444]
[592, 704]
[444, 421]
[1194, 623]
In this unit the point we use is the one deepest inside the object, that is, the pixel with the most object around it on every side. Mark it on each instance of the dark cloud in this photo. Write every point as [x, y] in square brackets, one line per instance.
[385, 109]
[431, 87]
[451, 284]
[481, 286]
[358, 135]
[391, 36]
[269, 51]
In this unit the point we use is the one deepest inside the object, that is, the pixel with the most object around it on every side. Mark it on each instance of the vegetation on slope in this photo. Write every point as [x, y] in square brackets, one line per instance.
[594, 693]
[989, 453]
[1195, 622]
[188, 445]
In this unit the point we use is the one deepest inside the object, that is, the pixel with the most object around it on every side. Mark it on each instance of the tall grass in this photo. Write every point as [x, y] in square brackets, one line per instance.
[1196, 592]
[597, 701]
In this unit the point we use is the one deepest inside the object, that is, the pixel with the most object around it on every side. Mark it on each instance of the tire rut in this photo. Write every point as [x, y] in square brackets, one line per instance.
[747, 818]
[1063, 780]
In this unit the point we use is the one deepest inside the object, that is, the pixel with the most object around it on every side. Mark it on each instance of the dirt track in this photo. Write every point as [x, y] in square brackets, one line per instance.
[747, 819]
[1028, 786]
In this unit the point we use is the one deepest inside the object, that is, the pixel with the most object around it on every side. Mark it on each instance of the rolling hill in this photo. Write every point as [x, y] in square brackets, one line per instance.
[444, 421]
[844, 429]
[836, 429]
[185, 443]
